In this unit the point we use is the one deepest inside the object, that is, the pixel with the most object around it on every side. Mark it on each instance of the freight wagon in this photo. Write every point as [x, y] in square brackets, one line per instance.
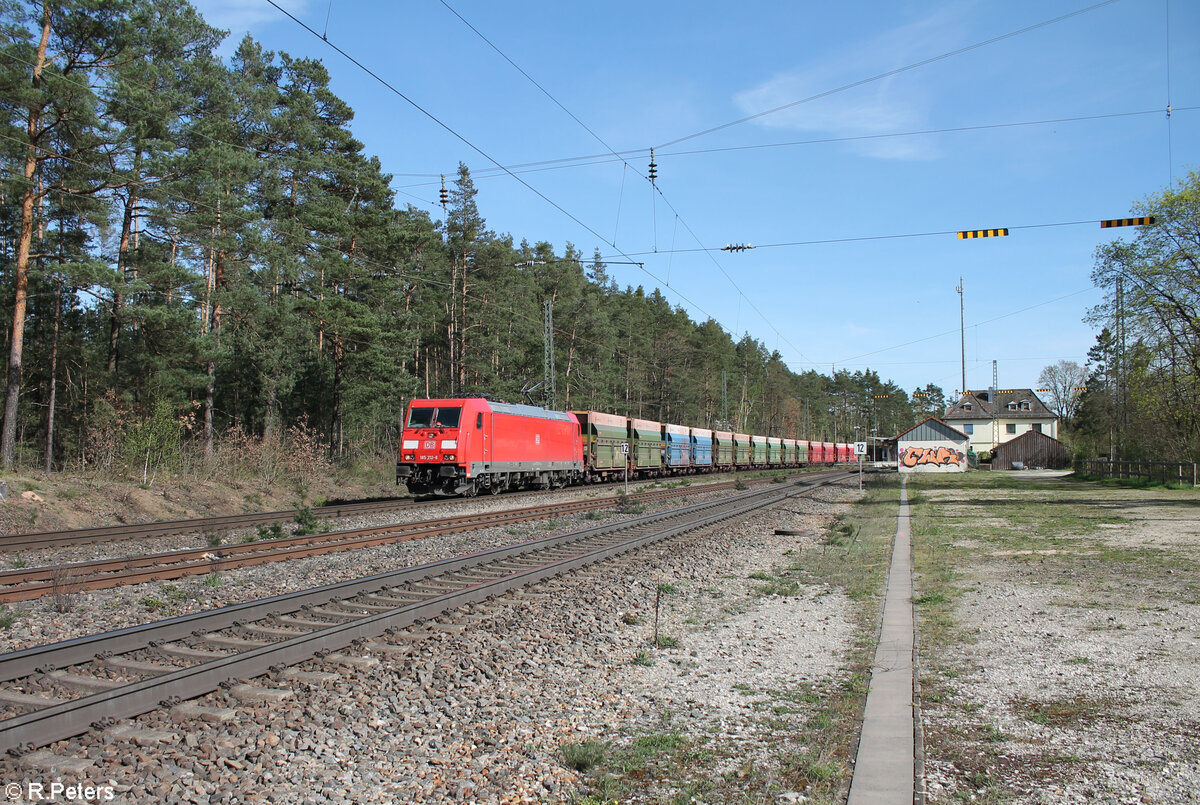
[605, 440]
[470, 445]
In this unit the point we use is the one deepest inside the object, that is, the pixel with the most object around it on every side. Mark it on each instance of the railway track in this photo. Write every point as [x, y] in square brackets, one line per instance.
[13, 543]
[25, 584]
[57, 691]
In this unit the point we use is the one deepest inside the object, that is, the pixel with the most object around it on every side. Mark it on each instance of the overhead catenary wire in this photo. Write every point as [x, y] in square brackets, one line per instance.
[258, 153]
[463, 139]
[656, 190]
[589, 160]
[856, 239]
[888, 74]
[308, 243]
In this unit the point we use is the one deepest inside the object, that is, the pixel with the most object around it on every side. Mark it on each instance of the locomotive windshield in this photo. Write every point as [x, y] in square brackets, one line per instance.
[443, 417]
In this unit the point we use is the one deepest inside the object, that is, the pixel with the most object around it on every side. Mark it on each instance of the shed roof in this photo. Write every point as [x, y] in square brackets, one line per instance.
[931, 430]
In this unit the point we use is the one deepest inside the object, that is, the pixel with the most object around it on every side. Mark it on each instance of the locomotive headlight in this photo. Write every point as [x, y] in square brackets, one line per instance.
[409, 444]
[410, 457]
[449, 444]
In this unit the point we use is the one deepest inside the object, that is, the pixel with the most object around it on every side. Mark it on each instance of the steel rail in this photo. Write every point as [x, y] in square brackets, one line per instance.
[26, 584]
[10, 543]
[63, 720]
[57, 539]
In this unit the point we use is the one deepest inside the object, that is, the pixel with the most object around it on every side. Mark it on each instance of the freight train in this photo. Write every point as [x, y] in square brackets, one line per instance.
[472, 445]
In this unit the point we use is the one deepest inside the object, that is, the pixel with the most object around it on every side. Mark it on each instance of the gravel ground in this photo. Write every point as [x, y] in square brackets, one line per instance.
[1075, 680]
[54, 618]
[477, 707]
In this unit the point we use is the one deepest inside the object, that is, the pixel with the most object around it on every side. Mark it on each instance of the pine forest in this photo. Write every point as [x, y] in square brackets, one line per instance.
[199, 257]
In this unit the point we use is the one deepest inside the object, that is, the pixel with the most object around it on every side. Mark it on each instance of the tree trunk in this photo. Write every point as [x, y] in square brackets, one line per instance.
[114, 326]
[53, 377]
[8, 437]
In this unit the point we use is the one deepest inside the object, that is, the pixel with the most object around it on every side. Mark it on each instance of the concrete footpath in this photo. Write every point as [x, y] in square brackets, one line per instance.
[885, 769]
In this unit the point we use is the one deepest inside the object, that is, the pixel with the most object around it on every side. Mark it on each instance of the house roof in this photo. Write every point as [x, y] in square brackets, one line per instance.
[980, 408]
[930, 430]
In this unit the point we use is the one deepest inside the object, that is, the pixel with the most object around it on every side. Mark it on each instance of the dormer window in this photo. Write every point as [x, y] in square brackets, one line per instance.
[1025, 405]
[968, 407]
[1012, 406]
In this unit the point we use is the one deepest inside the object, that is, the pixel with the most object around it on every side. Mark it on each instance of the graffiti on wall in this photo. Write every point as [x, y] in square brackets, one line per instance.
[937, 456]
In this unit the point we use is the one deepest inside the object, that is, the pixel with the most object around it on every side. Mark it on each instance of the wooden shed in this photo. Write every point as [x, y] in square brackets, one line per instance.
[1031, 450]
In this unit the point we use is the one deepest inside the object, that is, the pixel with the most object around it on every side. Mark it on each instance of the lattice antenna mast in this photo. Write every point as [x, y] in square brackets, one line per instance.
[551, 390]
[962, 329]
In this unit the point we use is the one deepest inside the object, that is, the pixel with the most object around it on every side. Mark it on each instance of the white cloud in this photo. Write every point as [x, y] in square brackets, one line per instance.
[898, 103]
[240, 17]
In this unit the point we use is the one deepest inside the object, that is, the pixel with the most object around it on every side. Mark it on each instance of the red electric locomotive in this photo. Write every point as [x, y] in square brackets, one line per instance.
[469, 445]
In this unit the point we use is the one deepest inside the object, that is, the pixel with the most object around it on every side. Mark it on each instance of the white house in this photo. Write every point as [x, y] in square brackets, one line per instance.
[991, 418]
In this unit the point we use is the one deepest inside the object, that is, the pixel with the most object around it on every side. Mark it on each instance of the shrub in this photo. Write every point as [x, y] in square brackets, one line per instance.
[584, 755]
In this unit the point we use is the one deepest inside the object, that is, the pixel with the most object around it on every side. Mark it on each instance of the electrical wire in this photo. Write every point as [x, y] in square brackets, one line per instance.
[653, 185]
[977, 324]
[307, 243]
[602, 159]
[888, 74]
[461, 138]
[860, 238]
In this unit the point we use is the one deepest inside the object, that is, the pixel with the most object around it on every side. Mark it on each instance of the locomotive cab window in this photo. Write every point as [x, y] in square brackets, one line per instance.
[420, 417]
[479, 421]
[434, 417]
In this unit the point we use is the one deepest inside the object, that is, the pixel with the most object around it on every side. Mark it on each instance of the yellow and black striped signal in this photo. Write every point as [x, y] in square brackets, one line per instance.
[1145, 220]
[983, 233]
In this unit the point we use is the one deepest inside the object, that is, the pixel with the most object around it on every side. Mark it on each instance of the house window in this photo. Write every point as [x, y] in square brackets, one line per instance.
[1036, 426]
[968, 429]
[968, 407]
[1012, 406]
[1010, 427]
[1025, 405]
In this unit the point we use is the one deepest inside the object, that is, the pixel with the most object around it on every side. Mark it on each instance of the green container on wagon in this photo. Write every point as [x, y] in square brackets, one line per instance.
[645, 445]
[758, 451]
[722, 455]
[741, 449]
[602, 435]
[774, 451]
[789, 452]
[802, 451]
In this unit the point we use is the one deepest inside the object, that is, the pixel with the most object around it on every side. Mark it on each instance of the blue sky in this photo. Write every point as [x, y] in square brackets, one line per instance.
[904, 122]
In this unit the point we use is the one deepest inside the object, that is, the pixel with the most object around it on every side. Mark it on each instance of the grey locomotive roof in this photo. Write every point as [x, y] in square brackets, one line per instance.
[932, 430]
[519, 409]
[982, 409]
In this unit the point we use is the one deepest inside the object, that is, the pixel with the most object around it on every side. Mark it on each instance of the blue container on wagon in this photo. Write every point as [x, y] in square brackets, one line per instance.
[702, 447]
[677, 446]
